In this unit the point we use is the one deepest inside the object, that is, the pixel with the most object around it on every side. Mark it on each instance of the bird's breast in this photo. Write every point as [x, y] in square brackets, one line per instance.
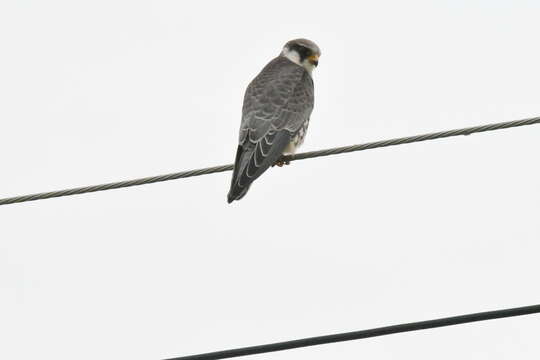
[297, 140]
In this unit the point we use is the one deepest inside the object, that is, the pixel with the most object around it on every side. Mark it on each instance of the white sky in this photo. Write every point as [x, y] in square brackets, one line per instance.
[100, 91]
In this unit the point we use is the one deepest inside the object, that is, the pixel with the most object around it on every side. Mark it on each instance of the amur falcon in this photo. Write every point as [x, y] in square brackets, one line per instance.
[275, 115]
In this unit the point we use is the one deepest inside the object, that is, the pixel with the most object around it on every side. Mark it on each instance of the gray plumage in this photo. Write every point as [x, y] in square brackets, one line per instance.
[276, 111]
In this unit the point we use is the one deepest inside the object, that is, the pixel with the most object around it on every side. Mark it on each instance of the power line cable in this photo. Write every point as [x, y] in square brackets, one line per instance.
[300, 156]
[356, 335]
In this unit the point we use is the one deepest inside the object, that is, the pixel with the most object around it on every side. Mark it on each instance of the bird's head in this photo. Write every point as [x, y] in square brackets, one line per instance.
[303, 52]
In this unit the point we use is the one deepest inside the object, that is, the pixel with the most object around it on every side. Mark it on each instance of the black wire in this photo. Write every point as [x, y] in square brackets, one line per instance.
[355, 335]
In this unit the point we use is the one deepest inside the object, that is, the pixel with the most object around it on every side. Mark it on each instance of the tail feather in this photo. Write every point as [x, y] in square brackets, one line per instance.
[254, 159]
[237, 192]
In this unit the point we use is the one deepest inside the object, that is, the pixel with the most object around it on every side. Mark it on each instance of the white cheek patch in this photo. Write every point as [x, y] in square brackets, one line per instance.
[292, 55]
[295, 58]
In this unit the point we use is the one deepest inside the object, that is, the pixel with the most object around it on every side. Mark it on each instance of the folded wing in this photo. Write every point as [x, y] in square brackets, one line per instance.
[276, 105]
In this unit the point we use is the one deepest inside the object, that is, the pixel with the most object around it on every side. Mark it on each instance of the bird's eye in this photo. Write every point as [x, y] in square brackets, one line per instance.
[303, 51]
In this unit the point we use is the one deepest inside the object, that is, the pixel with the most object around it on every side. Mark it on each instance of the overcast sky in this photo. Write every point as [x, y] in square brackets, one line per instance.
[100, 91]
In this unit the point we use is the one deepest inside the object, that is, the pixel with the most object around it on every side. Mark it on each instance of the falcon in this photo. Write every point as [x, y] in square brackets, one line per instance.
[275, 114]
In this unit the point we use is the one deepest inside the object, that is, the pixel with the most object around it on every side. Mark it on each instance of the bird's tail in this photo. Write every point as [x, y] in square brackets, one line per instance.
[253, 159]
[237, 192]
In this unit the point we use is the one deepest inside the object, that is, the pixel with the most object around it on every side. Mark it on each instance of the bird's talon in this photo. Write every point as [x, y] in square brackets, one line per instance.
[281, 162]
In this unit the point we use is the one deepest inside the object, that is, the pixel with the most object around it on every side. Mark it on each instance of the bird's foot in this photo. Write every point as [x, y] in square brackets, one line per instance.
[282, 161]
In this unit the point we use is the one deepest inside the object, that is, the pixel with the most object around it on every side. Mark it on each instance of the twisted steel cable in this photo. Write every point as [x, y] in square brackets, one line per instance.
[300, 156]
[416, 138]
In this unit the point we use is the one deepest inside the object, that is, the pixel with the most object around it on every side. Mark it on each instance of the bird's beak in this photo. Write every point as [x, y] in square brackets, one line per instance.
[314, 60]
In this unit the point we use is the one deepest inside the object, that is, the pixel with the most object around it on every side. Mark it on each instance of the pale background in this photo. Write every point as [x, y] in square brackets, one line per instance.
[99, 91]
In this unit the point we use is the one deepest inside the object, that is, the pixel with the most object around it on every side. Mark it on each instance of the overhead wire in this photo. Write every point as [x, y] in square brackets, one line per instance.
[289, 158]
[363, 334]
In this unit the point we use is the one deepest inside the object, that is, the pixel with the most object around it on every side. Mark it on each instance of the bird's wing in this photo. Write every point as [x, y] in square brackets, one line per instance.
[276, 104]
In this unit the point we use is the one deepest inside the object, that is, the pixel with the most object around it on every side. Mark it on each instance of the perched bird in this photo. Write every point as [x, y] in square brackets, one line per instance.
[275, 115]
